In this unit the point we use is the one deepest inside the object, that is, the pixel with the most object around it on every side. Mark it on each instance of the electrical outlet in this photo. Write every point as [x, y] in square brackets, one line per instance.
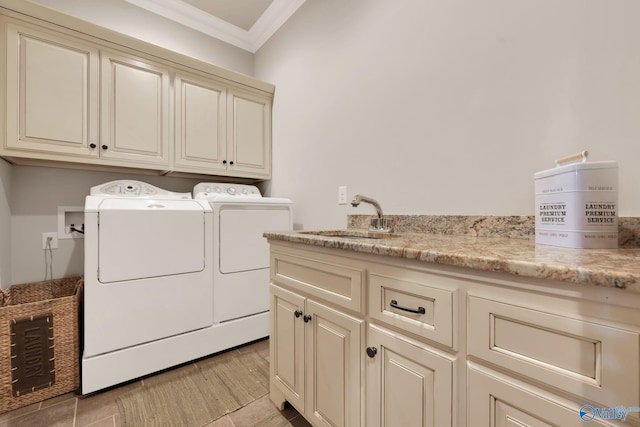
[342, 195]
[54, 240]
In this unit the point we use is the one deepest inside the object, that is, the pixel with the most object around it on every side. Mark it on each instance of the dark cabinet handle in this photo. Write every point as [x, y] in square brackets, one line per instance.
[224, 162]
[420, 310]
[231, 162]
[92, 145]
[371, 352]
[307, 318]
[104, 147]
[297, 313]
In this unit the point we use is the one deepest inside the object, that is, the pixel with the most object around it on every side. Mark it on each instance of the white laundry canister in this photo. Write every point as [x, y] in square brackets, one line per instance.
[577, 203]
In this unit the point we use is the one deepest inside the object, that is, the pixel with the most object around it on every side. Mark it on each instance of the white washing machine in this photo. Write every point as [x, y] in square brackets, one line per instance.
[147, 274]
[240, 252]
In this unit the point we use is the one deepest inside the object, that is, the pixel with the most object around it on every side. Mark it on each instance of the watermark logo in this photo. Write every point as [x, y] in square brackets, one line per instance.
[589, 413]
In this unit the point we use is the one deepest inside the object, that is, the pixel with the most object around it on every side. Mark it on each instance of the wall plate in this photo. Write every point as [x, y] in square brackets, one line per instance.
[54, 239]
[68, 216]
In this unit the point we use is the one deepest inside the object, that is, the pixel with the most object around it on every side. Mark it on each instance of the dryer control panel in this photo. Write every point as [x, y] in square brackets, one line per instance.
[207, 189]
[130, 188]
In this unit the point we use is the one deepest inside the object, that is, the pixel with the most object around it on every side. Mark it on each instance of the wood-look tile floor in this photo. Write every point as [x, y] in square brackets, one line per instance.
[100, 409]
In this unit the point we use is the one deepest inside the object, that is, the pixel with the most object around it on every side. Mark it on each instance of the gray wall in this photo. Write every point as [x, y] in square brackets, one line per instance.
[430, 106]
[449, 107]
[5, 224]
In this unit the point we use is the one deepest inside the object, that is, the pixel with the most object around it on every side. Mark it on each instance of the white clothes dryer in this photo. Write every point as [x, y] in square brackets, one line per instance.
[147, 279]
[241, 215]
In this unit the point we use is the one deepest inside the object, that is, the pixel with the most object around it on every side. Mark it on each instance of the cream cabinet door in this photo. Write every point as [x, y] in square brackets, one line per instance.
[334, 353]
[201, 127]
[135, 111]
[407, 384]
[51, 92]
[248, 133]
[287, 345]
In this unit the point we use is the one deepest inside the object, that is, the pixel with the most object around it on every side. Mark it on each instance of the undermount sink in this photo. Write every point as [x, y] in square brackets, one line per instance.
[351, 234]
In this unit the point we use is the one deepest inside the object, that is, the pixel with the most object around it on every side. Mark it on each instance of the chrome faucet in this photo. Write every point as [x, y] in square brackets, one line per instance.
[377, 224]
[358, 198]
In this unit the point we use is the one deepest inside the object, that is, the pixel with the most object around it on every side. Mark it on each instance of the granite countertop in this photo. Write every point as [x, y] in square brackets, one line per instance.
[612, 268]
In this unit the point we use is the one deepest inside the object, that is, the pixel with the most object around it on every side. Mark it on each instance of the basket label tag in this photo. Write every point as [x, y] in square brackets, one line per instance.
[32, 356]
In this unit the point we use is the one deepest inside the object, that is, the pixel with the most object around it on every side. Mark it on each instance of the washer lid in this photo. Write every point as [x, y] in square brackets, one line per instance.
[109, 203]
[246, 201]
[149, 204]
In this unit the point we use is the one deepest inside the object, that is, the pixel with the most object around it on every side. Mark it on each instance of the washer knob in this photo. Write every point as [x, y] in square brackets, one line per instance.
[231, 190]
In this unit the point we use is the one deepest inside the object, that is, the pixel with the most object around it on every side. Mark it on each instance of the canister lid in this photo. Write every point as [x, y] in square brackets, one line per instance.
[577, 167]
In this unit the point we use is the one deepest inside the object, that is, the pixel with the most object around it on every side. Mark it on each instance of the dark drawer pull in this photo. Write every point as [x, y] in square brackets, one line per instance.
[420, 310]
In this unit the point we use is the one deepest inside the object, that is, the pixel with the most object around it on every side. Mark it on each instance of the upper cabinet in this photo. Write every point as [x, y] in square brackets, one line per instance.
[248, 133]
[135, 110]
[221, 128]
[201, 124]
[86, 100]
[51, 85]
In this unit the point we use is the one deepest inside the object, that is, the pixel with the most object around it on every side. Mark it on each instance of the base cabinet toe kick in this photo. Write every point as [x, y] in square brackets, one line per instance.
[366, 340]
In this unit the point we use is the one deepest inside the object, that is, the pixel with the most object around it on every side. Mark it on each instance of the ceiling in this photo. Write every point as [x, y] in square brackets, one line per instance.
[246, 24]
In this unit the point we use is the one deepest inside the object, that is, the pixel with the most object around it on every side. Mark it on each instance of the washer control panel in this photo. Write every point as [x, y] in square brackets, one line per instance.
[130, 188]
[205, 189]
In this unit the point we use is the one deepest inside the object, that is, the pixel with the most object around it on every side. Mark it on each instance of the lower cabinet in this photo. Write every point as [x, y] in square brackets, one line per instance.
[361, 341]
[286, 344]
[316, 359]
[407, 383]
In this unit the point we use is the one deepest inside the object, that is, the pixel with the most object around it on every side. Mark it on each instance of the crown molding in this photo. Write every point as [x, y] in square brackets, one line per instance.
[273, 18]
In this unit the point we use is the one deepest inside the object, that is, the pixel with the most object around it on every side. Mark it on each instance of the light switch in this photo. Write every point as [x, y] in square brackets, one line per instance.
[342, 195]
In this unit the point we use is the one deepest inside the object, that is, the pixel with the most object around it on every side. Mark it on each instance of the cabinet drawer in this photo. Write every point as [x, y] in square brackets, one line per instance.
[324, 277]
[496, 400]
[587, 359]
[413, 306]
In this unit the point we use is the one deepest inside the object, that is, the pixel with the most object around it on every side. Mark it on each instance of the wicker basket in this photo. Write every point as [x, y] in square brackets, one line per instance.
[25, 349]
